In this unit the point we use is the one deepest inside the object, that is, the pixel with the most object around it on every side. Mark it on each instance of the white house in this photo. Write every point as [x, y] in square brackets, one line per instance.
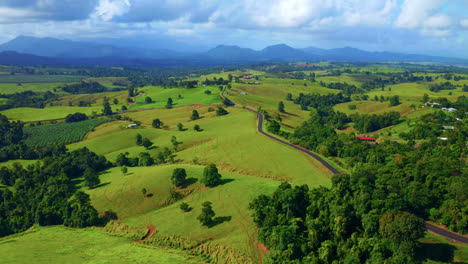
[132, 125]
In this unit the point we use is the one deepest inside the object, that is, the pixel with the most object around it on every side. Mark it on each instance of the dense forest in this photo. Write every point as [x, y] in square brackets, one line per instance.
[45, 193]
[375, 214]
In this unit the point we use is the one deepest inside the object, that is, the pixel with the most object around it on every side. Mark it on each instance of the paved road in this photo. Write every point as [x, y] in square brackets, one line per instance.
[452, 237]
[447, 234]
[319, 159]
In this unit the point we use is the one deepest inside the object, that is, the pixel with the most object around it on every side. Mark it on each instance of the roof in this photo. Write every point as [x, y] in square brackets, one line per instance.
[366, 138]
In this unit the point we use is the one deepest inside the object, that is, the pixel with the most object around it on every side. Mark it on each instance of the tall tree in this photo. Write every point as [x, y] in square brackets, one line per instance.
[139, 139]
[179, 176]
[195, 115]
[107, 108]
[207, 214]
[281, 107]
[157, 123]
[211, 177]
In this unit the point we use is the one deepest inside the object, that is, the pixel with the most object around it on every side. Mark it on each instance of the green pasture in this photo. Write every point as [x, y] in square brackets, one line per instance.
[122, 193]
[229, 141]
[159, 95]
[59, 244]
[435, 249]
[27, 114]
[95, 99]
[24, 163]
[40, 78]
[11, 88]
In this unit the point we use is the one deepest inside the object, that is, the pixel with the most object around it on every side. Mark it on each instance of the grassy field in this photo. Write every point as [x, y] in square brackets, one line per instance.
[122, 193]
[159, 95]
[435, 248]
[229, 141]
[39, 78]
[10, 88]
[54, 112]
[10, 163]
[65, 245]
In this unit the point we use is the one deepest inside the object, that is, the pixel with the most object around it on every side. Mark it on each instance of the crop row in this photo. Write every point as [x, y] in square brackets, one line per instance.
[60, 133]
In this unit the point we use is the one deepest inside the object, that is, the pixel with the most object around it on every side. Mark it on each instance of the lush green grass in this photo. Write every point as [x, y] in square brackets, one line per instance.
[10, 88]
[24, 163]
[435, 249]
[159, 95]
[229, 141]
[64, 245]
[39, 78]
[123, 195]
[60, 133]
[26, 114]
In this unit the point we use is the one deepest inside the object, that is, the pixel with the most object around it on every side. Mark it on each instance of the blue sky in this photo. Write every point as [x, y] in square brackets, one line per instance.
[436, 27]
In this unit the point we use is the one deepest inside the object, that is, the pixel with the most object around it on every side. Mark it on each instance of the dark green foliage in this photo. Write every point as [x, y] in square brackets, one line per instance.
[442, 86]
[178, 177]
[274, 127]
[61, 132]
[91, 178]
[148, 100]
[146, 143]
[157, 123]
[207, 214]
[10, 132]
[175, 143]
[281, 107]
[394, 100]
[84, 88]
[139, 139]
[143, 191]
[321, 101]
[180, 127]
[145, 159]
[27, 99]
[196, 128]
[76, 117]
[116, 101]
[289, 97]
[185, 207]
[371, 123]
[337, 224]
[207, 92]
[221, 111]
[169, 103]
[45, 193]
[124, 108]
[352, 107]
[227, 102]
[107, 108]
[346, 88]
[211, 177]
[195, 115]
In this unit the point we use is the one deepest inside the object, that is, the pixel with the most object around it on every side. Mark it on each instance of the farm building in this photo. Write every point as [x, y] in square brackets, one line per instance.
[365, 138]
[132, 125]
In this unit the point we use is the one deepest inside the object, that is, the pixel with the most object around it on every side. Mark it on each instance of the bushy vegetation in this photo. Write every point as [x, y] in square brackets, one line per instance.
[60, 133]
[46, 193]
[84, 87]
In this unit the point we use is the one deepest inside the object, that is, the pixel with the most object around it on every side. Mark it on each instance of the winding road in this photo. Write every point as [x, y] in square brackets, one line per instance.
[315, 156]
[450, 236]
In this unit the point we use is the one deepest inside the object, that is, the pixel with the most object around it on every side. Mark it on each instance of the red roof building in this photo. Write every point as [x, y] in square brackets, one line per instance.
[366, 138]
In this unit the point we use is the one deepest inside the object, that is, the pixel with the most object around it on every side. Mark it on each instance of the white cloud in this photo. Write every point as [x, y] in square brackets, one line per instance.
[415, 12]
[107, 9]
[15, 15]
[437, 21]
[464, 23]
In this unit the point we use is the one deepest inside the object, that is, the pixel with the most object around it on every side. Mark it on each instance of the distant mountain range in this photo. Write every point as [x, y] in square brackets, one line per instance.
[25, 50]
